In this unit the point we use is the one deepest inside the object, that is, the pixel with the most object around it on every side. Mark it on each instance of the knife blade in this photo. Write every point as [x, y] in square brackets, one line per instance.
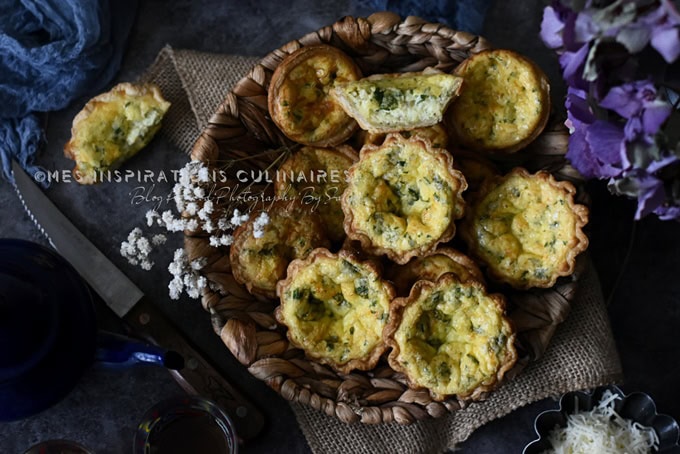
[198, 376]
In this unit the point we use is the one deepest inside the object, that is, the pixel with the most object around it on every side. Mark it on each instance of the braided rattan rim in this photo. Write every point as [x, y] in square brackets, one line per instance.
[241, 127]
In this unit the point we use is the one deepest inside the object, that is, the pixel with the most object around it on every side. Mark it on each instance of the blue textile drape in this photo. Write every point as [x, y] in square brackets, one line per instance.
[51, 52]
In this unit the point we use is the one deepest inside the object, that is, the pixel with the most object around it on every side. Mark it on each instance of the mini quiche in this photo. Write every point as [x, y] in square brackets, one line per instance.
[451, 337]
[395, 102]
[336, 308]
[505, 103]
[431, 266]
[113, 127]
[317, 176]
[292, 232]
[526, 228]
[298, 96]
[402, 198]
[436, 134]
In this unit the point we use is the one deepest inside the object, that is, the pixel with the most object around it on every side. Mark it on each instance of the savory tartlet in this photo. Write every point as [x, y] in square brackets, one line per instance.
[335, 308]
[451, 337]
[431, 266]
[317, 177]
[402, 198]
[298, 96]
[260, 259]
[526, 228]
[113, 127]
[436, 134]
[504, 105]
[384, 103]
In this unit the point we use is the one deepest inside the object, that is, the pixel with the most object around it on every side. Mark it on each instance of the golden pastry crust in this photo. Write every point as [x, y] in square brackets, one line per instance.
[431, 266]
[504, 105]
[384, 103]
[298, 96]
[335, 307]
[113, 127]
[436, 134]
[292, 232]
[477, 169]
[451, 337]
[318, 177]
[526, 229]
[402, 198]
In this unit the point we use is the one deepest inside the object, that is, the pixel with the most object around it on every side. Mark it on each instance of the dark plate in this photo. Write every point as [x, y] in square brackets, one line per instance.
[638, 407]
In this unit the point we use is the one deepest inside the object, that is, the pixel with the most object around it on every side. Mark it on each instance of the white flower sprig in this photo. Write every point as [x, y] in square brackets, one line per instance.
[197, 213]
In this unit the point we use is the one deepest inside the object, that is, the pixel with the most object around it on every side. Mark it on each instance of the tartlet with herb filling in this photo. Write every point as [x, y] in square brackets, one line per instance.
[526, 228]
[431, 266]
[335, 307]
[402, 198]
[384, 103]
[299, 98]
[317, 176]
[451, 337]
[113, 127]
[259, 262]
[505, 103]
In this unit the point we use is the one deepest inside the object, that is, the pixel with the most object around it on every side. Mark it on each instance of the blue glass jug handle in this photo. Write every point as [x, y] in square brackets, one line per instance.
[116, 350]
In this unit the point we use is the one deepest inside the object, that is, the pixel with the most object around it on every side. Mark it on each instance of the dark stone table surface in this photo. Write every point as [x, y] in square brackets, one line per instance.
[638, 263]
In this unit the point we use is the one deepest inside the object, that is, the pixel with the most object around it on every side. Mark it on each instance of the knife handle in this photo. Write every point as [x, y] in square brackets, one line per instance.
[198, 376]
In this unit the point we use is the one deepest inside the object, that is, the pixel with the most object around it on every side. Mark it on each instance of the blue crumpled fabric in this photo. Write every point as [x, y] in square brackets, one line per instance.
[463, 15]
[52, 52]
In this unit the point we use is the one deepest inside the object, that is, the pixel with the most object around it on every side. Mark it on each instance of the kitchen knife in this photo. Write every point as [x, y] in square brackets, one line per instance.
[125, 299]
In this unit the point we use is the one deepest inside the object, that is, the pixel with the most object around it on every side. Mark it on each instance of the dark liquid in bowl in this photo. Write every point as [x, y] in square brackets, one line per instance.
[198, 433]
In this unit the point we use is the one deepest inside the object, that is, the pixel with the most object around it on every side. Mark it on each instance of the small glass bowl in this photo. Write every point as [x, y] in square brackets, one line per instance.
[185, 424]
[638, 407]
[57, 447]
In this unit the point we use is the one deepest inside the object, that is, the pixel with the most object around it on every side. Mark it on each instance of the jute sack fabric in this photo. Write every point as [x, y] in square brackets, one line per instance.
[582, 354]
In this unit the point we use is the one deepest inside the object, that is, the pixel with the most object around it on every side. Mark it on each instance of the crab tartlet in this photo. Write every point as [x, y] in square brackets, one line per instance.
[431, 266]
[402, 198]
[317, 176]
[260, 261]
[299, 100]
[526, 228]
[504, 105]
[335, 307]
[451, 337]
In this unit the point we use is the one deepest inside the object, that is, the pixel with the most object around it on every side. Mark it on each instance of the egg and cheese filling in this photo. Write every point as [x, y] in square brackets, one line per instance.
[263, 260]
[452, 338]
[502, 102]
[116, 130]
[336, 308]
[402, 197]
[304, 97]
[524, 228]
[402, 100]
[318, 179]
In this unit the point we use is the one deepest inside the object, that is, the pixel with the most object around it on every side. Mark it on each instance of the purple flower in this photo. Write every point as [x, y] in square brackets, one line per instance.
[639, 103]
[668, 212]
[551, 28]
[666, 31]
[572, 66]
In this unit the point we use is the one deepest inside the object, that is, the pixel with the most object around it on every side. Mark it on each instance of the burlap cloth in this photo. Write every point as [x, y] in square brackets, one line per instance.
[582, 354]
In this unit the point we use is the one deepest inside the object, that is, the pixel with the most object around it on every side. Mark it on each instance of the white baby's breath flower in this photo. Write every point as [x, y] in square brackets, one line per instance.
[238, 218]
[203, 175]
[158, 239]
[260, 222]
[199, 193]
[191, 224]
[151, 217]
[191, 208]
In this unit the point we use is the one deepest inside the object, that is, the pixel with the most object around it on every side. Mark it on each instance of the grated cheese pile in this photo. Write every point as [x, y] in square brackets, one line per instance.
[602, 431]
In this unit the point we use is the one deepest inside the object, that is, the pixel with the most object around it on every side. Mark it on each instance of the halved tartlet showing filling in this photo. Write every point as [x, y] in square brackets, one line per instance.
[526, 228]
[451, 337]
[402, 198]
[113, 127]
[260, 259]
[395, 102]
[299, 100]
[431, 266]
[504, 105]
[335, 308]
[317, 177]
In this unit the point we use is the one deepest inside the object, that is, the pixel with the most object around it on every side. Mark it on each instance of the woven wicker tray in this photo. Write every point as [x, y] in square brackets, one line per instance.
[241, 128]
